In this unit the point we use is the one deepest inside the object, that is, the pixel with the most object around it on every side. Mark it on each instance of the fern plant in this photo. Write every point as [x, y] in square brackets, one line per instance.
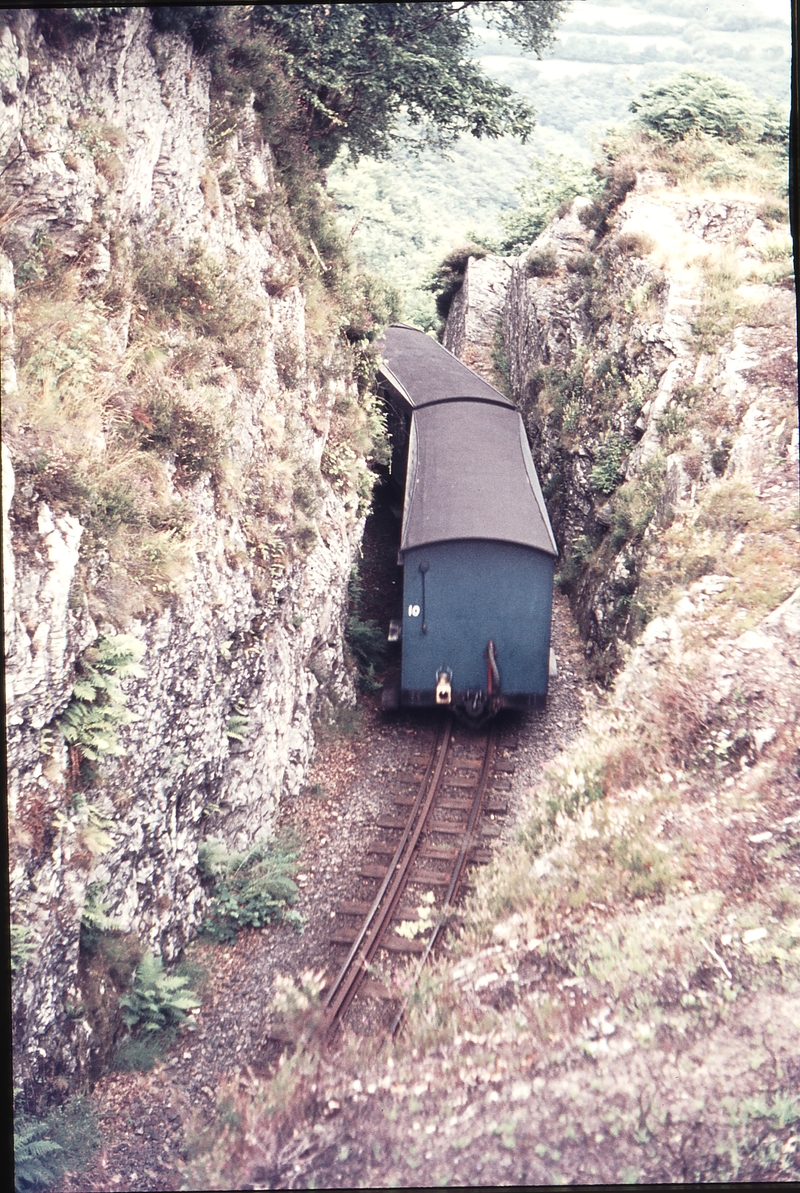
[37, 1161]
[365, 639]
[95, 918]
[157, 1000]
[67, 1137]
[97, 709]
[238, 723]
[251, 889]
[607, 472]
[22, 946]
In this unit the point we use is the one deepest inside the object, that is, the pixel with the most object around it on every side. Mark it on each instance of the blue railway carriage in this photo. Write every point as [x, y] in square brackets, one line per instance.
[476, 546]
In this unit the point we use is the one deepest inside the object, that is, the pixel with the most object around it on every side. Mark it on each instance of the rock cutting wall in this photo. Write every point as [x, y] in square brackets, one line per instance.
[219, 646]
[475, 320]
[599, 331]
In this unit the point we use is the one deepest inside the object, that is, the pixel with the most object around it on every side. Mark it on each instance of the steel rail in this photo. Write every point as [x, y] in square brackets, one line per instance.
[458, 869]
[380, 914]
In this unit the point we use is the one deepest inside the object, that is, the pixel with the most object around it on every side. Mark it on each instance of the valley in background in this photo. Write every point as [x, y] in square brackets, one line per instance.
[409, 211]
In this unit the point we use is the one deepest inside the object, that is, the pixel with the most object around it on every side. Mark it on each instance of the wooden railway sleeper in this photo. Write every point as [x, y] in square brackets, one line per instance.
[458, 870]
[404, 870]
[393, 884]
[493, 807]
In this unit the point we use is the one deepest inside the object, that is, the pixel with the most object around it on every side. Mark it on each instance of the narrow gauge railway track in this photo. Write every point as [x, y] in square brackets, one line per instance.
[450, 800]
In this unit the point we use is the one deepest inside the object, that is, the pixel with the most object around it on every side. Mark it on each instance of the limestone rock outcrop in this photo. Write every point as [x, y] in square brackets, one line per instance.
[475, 319]
[108, 137]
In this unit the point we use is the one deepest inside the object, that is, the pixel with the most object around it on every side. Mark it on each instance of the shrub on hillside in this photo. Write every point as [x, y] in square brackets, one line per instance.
[448, 278]
[697, 102]
[548, 189]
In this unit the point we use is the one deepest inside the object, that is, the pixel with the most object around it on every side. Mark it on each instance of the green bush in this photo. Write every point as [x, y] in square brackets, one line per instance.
[771, 212]
[370, 303]
[569, 793]
[154, 1010]
[619, 178]
[39, 259]
[252, 888]
[647, 872]
[697, 102]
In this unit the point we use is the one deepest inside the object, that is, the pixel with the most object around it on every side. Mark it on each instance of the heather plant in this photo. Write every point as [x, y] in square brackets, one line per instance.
[541, 262]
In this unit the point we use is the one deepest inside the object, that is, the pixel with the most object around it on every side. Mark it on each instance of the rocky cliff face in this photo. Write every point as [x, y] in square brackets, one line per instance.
[475, 320]
[651, 360]
[102, 139]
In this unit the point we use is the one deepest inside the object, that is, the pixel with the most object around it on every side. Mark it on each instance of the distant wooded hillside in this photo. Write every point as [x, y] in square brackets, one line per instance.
[411, 211]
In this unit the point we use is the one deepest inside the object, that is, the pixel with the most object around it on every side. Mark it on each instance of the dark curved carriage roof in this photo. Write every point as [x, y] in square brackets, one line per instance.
[470, 472]
[421, 370]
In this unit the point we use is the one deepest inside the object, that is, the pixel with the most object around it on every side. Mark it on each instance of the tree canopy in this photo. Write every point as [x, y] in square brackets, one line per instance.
[370, 76]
